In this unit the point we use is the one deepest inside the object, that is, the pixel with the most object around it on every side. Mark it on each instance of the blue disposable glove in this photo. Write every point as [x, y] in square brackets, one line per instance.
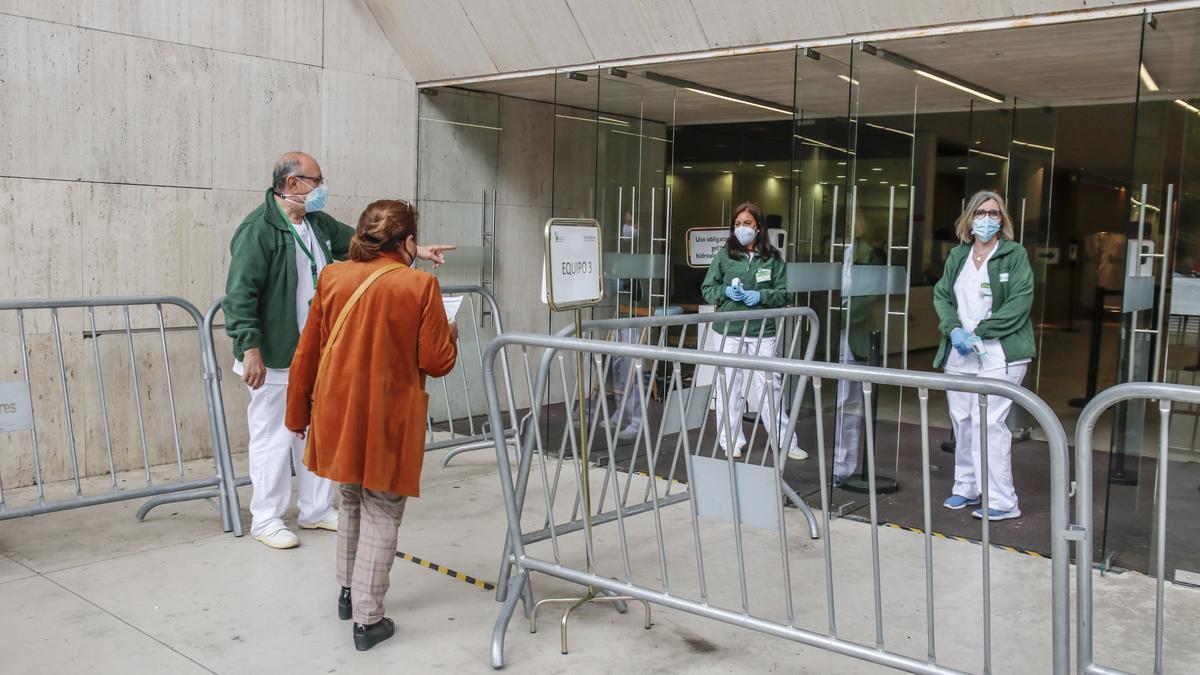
[751, 298]
[734, 293]
[976, 344]
[961, 340]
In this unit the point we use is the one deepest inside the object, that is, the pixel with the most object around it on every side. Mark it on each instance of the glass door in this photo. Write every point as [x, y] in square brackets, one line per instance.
[876, 259]
[1029, 194]
[1155, 304]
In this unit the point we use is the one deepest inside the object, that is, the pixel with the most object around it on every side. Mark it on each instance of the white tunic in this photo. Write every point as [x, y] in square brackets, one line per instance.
[973, 294]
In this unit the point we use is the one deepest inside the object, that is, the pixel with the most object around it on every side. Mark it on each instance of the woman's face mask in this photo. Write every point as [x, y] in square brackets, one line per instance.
[985, 228]
[745, 228]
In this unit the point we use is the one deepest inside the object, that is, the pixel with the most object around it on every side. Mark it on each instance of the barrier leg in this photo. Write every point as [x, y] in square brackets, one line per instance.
[506, 612]
[214, 493]
[809, 516]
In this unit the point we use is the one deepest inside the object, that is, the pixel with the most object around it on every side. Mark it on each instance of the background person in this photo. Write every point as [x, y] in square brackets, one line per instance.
[368, 410]
[983, 301]
[861, 319]
[276, 255]
[748, 273]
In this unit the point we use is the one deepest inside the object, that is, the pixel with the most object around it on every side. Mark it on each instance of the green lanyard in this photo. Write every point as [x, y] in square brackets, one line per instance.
[312, 261]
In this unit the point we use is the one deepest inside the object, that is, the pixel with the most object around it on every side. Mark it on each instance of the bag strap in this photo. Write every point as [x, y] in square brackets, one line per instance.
[346, 309]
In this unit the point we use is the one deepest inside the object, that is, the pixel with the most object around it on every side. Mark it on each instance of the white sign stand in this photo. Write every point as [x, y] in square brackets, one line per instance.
[574, 279]
[574, 275]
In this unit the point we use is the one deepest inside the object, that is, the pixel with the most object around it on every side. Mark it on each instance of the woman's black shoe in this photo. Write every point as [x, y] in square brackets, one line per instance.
[366, 637]
[345, 609]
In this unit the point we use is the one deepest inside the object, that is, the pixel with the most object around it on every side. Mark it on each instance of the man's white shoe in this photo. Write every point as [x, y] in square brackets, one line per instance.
[281, 538]
[329, 522]
[797, 453]
[737, 452]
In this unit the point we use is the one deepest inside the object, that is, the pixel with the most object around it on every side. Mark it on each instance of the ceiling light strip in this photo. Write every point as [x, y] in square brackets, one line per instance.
[1027, 144]
[461, 124]
[987, 154]
[894, 131]
[722, 94]
[1187, 106]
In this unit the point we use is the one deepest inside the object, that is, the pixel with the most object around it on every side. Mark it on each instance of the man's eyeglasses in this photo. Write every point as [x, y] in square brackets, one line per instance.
[987, 213]
[315, 180]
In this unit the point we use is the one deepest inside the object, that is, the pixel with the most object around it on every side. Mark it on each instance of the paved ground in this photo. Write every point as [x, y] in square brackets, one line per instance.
[95, 591]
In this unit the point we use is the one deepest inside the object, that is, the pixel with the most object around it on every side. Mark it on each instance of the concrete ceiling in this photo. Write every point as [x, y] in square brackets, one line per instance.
[1084, 63]
[443, 39]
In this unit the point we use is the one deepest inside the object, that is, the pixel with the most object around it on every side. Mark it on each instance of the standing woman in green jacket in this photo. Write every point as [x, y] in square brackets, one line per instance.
[983, 301]
[748, 273]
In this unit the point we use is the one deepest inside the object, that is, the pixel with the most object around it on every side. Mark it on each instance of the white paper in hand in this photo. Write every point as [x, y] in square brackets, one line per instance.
[452, 303]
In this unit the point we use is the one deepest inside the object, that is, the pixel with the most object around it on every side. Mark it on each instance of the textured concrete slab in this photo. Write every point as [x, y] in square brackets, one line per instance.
[360, 44]
[368, 128]
[262, 108]
[11, 570]
[287, 30]
[59, 632]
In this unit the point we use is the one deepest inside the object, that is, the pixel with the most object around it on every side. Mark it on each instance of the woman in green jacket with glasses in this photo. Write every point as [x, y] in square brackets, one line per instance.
[983, 301]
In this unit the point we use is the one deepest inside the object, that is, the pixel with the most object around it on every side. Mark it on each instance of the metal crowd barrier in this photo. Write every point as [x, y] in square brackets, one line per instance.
[792, 324]
[465, 413]
[1165, 395]
[634, 390]
[610, 567]
[160, 491]
[458, 407]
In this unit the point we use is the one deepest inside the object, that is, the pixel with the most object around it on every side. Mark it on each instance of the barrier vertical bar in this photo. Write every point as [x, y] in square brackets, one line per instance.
[37, 462]
[137, 393]
[821, 469]
[873, 502]
[162, 332]
[985, 507]
[62, 375]
[112, 471]
[1164, 449]
[923, 397]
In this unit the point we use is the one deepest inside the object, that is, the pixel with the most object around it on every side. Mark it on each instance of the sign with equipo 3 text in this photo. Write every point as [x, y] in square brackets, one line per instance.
[703, 244]
[16, 409]
[574, 263]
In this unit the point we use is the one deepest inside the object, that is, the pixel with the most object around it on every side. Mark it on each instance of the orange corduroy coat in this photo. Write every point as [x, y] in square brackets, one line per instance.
[368, 412]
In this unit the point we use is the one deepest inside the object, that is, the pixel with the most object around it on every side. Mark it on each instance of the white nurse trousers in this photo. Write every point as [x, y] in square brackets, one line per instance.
[964, 416]
[732, 380]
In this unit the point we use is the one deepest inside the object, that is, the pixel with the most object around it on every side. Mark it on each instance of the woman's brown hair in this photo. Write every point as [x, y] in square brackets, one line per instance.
[383, 226]
[762, 242]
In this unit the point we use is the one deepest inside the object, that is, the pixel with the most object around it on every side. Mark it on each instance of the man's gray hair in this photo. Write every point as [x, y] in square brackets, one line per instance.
[287, 166]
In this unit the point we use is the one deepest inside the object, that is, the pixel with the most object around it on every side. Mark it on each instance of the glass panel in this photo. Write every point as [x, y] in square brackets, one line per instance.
[619, 192]
[823, 171]
[1158, 238]
[575, 151]
[878, 256]
[459, 153]
[725, 146]
[1029, 193]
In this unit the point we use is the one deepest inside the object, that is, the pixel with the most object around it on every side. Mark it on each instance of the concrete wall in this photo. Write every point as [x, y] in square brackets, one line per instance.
[135, 136]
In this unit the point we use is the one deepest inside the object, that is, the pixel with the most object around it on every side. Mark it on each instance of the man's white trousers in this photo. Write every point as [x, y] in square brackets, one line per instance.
[274, 451]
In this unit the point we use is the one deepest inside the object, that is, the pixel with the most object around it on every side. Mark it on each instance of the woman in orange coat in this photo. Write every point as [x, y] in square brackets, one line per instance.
[357, 385]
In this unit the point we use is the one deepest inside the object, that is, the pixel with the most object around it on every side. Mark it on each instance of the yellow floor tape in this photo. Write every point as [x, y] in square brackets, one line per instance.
[453, 574]
[966, 539]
